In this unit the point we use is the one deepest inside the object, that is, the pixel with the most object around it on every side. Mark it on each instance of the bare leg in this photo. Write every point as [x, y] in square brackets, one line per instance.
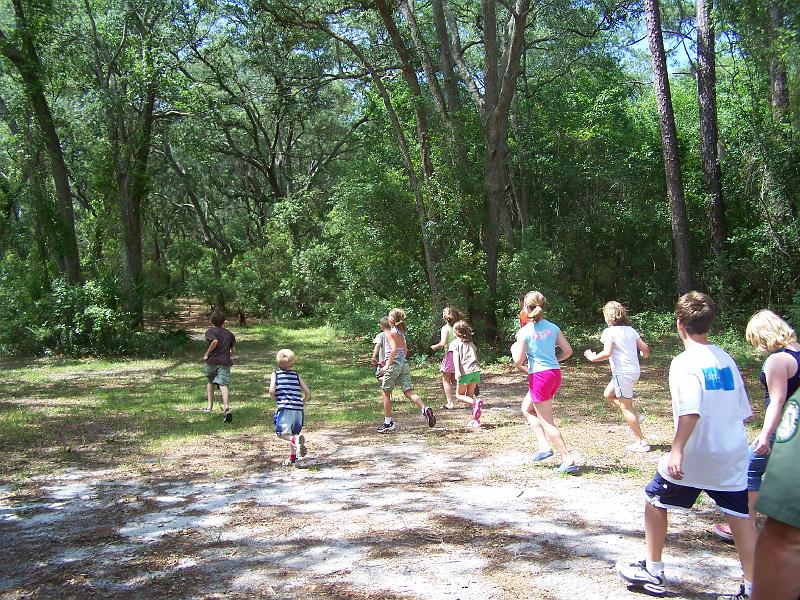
[530, 415]
[777, 563]
[464, 395]
[655, 531]
[448, 380]
[414, 398]
[544, 410]
[744, 535]
[387, 403]
[210, 394]
[223, 390]
[625, 405]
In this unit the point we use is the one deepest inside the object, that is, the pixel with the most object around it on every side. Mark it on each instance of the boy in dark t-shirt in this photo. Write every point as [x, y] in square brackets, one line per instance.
[219, 360]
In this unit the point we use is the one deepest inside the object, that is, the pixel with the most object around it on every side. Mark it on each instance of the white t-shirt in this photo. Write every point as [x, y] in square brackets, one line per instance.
[625, 358]
[379, 339]
[704, 380]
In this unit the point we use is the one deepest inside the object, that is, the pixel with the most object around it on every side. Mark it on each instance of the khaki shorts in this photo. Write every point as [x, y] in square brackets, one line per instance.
[218, 374]
[398, 373]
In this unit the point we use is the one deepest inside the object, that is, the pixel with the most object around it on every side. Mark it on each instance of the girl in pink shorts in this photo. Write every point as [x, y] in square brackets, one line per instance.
[538, 341]
[450, 316]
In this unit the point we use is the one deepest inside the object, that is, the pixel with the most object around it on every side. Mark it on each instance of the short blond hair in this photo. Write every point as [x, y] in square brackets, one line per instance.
[534, 305]
[615, 313]
[397, 317]
[285, 359]
[767, 332]
[696, 311]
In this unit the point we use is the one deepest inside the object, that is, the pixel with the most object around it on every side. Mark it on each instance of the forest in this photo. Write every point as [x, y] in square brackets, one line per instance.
[330, 160]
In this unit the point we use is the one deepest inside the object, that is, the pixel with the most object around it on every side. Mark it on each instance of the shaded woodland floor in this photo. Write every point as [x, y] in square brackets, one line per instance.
[100, 507]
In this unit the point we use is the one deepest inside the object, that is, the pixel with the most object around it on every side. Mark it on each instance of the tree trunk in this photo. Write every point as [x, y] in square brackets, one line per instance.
[27, 62]
[707, 100]
[669, 140]
[778, 78]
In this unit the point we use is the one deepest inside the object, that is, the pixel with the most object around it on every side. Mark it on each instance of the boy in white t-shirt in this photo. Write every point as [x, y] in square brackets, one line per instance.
[621, 346]
[378, 354]
[709, 450]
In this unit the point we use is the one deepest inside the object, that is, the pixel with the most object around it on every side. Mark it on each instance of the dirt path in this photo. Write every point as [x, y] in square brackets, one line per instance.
[415, 514]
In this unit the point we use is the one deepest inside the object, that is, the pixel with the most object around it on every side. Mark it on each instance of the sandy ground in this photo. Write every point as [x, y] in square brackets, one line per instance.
[414, 514]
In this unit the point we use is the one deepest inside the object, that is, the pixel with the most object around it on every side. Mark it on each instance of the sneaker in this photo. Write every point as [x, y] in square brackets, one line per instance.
[740, 595]
[638, 447]
[228, 416]
[722, 530]
[386, 427]
[637, 574]
[476, 410]
[207, 410]
[430, 416]
[474, 424]
[301, 446]
[289, 462]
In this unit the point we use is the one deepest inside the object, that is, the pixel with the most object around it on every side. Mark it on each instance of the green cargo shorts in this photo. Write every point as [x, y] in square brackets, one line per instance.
[218, 374]
[398, 373]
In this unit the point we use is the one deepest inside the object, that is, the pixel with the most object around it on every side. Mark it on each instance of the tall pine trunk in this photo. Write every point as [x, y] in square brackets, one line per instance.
[669, 140]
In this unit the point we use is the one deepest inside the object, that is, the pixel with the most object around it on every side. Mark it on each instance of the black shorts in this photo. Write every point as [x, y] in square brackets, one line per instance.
[665, 494]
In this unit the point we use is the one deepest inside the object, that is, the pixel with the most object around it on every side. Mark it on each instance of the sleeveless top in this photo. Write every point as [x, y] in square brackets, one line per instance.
[387, 348]
[288, 393]
[792, 384]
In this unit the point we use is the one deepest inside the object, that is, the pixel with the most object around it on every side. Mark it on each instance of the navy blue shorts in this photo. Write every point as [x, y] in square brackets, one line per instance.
[288, 421]
[665, 494]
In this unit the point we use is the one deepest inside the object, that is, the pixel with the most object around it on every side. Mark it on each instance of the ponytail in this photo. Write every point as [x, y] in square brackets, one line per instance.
[534, 305]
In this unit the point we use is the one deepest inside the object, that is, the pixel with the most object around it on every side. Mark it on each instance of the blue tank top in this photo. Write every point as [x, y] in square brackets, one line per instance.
[792, 384]
[288, 393]
[540, 340]
[387, 348]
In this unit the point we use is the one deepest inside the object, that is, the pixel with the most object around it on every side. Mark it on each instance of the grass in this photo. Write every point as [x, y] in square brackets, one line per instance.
[61, 412]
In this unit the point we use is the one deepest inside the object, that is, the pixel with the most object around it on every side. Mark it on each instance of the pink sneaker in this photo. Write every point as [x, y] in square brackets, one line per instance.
[477, 407]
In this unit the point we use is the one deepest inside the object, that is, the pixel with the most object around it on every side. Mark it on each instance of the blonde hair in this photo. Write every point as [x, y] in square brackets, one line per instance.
[285, 359]
[534, 304]
[766, 331]
[384, 323]
[614, 313]
[696, 311]
[451, 314]
[398, 316]
[463, 330]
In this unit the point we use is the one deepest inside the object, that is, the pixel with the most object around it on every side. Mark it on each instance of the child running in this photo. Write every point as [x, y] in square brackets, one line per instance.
[378, 355]
[537, 342]
[396, 371]
[291, 395]
[450, 316]
[621, 346]
[219, 360]
[467, 370]
[709, 449]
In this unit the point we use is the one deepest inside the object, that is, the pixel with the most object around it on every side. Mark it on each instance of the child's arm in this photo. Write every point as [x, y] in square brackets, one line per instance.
[442, 340]
[777, 369]
[392, 352]
[272, 386]
[686, 425]
[211, 346]
[306, 391]
[519, 354]
[604, 354]
[643, 348]
[563, 345]
[375, 352]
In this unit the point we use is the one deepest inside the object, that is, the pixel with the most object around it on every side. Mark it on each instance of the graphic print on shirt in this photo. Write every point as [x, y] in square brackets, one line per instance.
[788, 426]
[718, 379]
[541, 335]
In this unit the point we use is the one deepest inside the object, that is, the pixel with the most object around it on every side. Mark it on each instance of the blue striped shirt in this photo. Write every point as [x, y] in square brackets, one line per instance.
[288, 393]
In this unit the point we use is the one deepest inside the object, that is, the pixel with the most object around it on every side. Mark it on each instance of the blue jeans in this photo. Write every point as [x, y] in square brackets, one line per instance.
[757, 466]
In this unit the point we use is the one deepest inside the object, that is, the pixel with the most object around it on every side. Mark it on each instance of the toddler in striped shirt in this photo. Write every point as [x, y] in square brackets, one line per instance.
[290, 393]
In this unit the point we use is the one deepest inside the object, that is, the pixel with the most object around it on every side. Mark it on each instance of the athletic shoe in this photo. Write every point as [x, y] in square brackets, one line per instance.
[542, 454]
[301, 446]
[474, 424]
[638, 447]
[386, 427]
[289, 462]
[723, 531]
[740, 595]
[430, 416]
[207, 410]
[568, 469]
[637, 574]
[476, 410]
[228, 416]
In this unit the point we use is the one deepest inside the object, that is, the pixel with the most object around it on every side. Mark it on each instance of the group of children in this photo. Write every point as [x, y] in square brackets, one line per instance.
[709, 451]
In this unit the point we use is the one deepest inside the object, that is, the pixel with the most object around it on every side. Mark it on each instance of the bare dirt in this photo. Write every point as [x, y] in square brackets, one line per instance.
[443, 513]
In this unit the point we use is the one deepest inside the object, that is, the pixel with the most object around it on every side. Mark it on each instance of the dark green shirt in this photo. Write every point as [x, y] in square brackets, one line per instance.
[780, 494]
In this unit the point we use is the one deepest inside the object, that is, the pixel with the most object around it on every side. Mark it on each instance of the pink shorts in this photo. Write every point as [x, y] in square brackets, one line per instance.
[447, 363]
[543, 385]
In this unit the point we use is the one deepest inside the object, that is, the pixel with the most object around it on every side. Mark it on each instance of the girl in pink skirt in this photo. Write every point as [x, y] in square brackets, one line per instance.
[450, 316]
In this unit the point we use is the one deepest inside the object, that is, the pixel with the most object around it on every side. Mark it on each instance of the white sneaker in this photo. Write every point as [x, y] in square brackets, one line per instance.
[637, 574]
[638, 447]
